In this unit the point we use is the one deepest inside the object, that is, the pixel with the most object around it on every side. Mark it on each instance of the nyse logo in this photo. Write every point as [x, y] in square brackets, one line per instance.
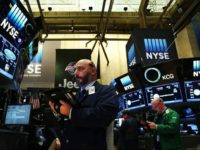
[156, 48]
[15, 21]
[128, 87]
[9, 28]
[17, 18]
[196, 68]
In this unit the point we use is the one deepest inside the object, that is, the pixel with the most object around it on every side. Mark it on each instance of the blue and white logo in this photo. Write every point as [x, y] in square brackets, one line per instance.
[156, 48]
[148, 75]
[131, 56]
[17, 18]
[127, 83]
[196, 68]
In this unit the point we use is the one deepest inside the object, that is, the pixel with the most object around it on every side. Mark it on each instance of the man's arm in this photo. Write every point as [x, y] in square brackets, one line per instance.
[101, 114]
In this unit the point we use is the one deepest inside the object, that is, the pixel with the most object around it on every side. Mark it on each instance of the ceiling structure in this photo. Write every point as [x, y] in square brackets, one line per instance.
[101, 17]
[111, 16]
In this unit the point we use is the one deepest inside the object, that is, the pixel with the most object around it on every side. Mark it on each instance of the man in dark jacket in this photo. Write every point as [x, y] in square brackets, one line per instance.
[86, 127]
[128, 132]
[166, 127]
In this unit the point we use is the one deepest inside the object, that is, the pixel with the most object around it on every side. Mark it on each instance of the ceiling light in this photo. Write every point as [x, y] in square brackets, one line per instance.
[125, 9]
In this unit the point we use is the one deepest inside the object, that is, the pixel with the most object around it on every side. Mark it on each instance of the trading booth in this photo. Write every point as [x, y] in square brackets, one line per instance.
[177, 82]
[153, 70]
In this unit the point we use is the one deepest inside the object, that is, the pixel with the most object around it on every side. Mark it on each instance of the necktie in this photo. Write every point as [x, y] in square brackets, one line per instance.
[81, 95]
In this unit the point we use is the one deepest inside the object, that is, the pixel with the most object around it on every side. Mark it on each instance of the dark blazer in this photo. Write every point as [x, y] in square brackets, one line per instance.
[86, 130]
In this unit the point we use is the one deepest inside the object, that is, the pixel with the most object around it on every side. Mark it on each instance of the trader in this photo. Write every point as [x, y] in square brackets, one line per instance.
[128, 132]
[166, 127]
[86, 127]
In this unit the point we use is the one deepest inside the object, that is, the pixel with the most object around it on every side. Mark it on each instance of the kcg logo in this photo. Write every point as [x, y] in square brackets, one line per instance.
[153, 75]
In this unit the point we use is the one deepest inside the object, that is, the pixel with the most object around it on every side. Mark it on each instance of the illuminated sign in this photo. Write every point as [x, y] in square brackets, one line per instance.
[153, 75]
[156, 48]
[196, 68]
[131, 56]
[127, 83]
[17, 18]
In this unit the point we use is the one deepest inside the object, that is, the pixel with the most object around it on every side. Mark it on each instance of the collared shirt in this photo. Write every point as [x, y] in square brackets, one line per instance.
[87, 86]
[84, 87]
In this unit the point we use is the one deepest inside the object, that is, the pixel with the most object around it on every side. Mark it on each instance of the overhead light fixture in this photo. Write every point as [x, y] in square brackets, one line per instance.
[50, 8]
[90, 8]
[125, 9]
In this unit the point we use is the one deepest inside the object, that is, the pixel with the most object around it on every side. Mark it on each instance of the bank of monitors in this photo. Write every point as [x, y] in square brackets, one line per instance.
[131, 91]
[18, 114]
[162, 80]
[191, 78]
[17, 29]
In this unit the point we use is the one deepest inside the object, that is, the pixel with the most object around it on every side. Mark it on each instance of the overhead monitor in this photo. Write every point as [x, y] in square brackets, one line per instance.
[18, 114]
[162, 80]
[134, 99]
[191, 69]
[8, 58]
[170, 93]
[192, 90]
[127, 82]
[17, 29]
[16, 23]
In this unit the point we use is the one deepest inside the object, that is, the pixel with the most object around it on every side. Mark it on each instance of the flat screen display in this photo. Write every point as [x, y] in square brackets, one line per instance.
[17, 29]
[8, 57]
[170, 93]
[16, 24]
[162, 73]
[134, 99]
[18, 114]
[192, 90]
[191, 69]
[127, 82]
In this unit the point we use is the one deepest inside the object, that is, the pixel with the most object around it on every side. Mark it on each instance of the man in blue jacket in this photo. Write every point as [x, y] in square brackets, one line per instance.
[166, 127]
[86, 127]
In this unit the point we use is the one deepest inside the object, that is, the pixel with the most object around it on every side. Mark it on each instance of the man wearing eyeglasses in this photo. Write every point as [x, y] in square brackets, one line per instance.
[166, 127]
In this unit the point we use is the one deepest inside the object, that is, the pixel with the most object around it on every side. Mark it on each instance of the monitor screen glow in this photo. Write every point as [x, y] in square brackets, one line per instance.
[134, 99]
[18, 115]
[192, 90]
[170, 93]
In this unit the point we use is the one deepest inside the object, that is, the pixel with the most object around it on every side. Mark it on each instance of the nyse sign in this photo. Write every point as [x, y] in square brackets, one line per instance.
[155, 55]
[196, 73]
[33, 70]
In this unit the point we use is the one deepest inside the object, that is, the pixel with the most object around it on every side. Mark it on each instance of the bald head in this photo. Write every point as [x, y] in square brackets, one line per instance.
[85, 71]
[158, 105]
[85, 62]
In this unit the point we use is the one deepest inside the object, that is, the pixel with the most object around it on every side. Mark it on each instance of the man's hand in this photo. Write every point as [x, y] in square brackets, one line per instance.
[65, 108]
[152, 125]
[51, 104]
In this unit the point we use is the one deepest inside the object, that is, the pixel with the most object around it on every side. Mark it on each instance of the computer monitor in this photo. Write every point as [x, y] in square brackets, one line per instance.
[8, 58]
[18, 114]
[170, 93]
[192, 90]
[127, 82]
[191, 69]
[134, 99]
